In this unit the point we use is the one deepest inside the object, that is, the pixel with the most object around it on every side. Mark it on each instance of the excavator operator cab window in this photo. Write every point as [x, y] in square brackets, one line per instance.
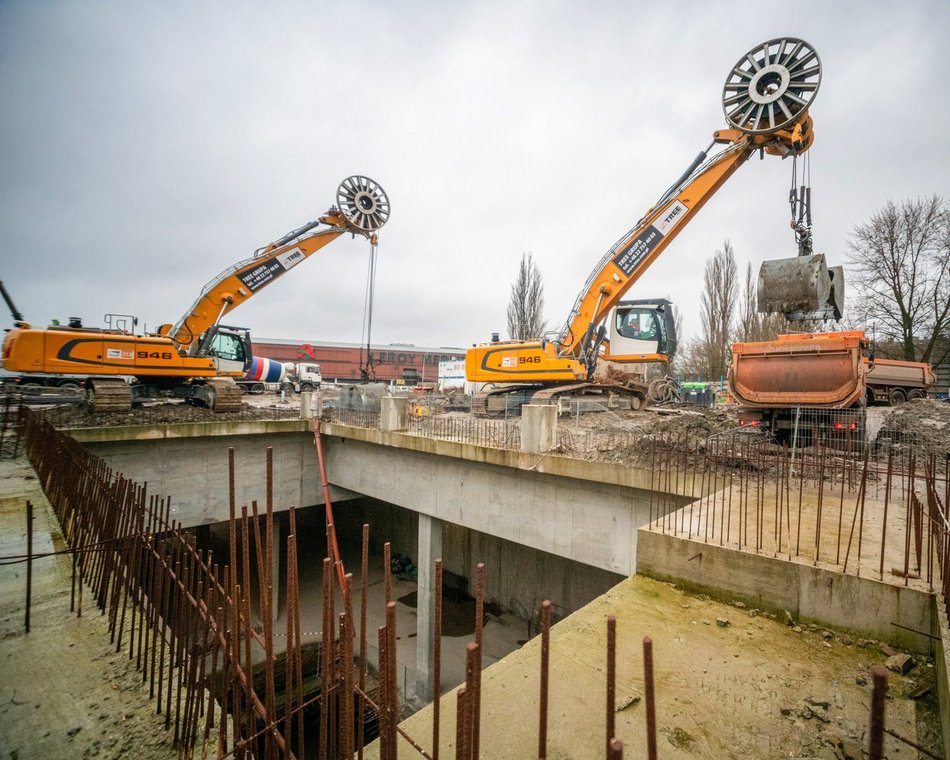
[641, 323]
[228, 347]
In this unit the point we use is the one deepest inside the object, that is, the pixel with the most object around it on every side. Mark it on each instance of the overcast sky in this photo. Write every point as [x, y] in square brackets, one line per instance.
[148, 146]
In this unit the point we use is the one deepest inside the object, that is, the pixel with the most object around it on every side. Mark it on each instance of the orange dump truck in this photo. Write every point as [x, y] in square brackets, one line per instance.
[805, 382]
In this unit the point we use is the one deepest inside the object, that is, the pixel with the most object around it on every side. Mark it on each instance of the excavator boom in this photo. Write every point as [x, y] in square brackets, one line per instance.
[362, 209]
[766, 100]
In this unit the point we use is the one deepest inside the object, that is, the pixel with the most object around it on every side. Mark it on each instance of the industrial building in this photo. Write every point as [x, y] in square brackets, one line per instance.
[343, 362]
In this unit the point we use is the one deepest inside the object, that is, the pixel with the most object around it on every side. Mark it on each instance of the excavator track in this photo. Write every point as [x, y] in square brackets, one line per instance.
[635, 392]
[532, 394]
[108, 395]
[224, 395]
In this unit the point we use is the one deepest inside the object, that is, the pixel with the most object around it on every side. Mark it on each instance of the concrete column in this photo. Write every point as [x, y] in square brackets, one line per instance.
[538, 428]
[306, 413]
[394, 414]
[430, 549]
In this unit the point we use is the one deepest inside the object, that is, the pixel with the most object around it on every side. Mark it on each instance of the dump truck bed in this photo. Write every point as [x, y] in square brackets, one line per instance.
[906, 374]
[816, 370]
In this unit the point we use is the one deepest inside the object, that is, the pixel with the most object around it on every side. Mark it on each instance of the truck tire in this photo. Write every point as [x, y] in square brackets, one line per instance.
[258, 389]
[896, 396]
[917, 393]
[306, 387]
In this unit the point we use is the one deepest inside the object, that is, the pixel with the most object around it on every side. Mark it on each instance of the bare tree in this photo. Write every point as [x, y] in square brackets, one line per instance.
[754, 326]
[526, 304]
[900, 267]
[718, 310]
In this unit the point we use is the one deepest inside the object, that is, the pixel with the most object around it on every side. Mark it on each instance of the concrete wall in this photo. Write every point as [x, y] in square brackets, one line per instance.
[586, 512]
[516, 576]
[865, 606]
[585, 521]
[942, 669]
[193, 471]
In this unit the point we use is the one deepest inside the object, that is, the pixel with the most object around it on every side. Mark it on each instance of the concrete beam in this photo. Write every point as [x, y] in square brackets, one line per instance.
[582, 520]
[193, 471]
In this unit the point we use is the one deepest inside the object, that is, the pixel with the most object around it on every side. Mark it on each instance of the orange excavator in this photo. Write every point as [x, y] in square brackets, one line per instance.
[197, 358]
[766, 99]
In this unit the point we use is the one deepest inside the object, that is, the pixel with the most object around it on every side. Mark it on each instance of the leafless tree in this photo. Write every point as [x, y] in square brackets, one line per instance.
[754, 326]
[900, 269]
[718, 310]
[526, 304]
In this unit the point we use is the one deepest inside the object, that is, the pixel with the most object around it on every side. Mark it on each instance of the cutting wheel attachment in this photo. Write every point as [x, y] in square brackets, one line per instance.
[363, 202]
[771, 86]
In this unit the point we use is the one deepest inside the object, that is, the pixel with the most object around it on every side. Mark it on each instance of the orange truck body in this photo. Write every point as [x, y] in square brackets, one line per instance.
[818, 369]
[797, 385]
[829, 370]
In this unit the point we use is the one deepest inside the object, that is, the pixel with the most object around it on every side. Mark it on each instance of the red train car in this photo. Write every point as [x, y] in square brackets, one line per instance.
[342, 362]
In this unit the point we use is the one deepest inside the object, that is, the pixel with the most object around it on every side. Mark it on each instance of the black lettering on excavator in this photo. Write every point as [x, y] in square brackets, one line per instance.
[637, 250]
[153, 355]
[261, 275]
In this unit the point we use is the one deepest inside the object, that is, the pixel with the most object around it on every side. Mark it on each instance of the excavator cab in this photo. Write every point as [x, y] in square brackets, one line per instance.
[769, 91]
[642, 330]
[229, 347]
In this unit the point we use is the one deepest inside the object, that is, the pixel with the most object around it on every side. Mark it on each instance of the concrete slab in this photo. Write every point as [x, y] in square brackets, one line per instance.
[749, 687]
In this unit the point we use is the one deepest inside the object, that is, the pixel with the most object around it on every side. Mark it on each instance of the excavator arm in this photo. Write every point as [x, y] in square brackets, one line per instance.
[362, 209]
[766, 99]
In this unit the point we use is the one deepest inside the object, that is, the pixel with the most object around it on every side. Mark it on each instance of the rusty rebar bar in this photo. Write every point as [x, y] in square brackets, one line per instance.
[29, 555]
[364, 572]
[437, 660]
[476, 683]
[545, 661]
[649, 694]
[876, 723]
[611, 679]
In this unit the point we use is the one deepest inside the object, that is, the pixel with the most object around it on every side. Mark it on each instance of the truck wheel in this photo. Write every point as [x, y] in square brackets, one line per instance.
[243, 389]
[257, 388]
[306, 387]
[896, 396]
[917, 393]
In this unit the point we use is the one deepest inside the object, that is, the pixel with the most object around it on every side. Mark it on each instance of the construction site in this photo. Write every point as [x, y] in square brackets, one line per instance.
[209, 552]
